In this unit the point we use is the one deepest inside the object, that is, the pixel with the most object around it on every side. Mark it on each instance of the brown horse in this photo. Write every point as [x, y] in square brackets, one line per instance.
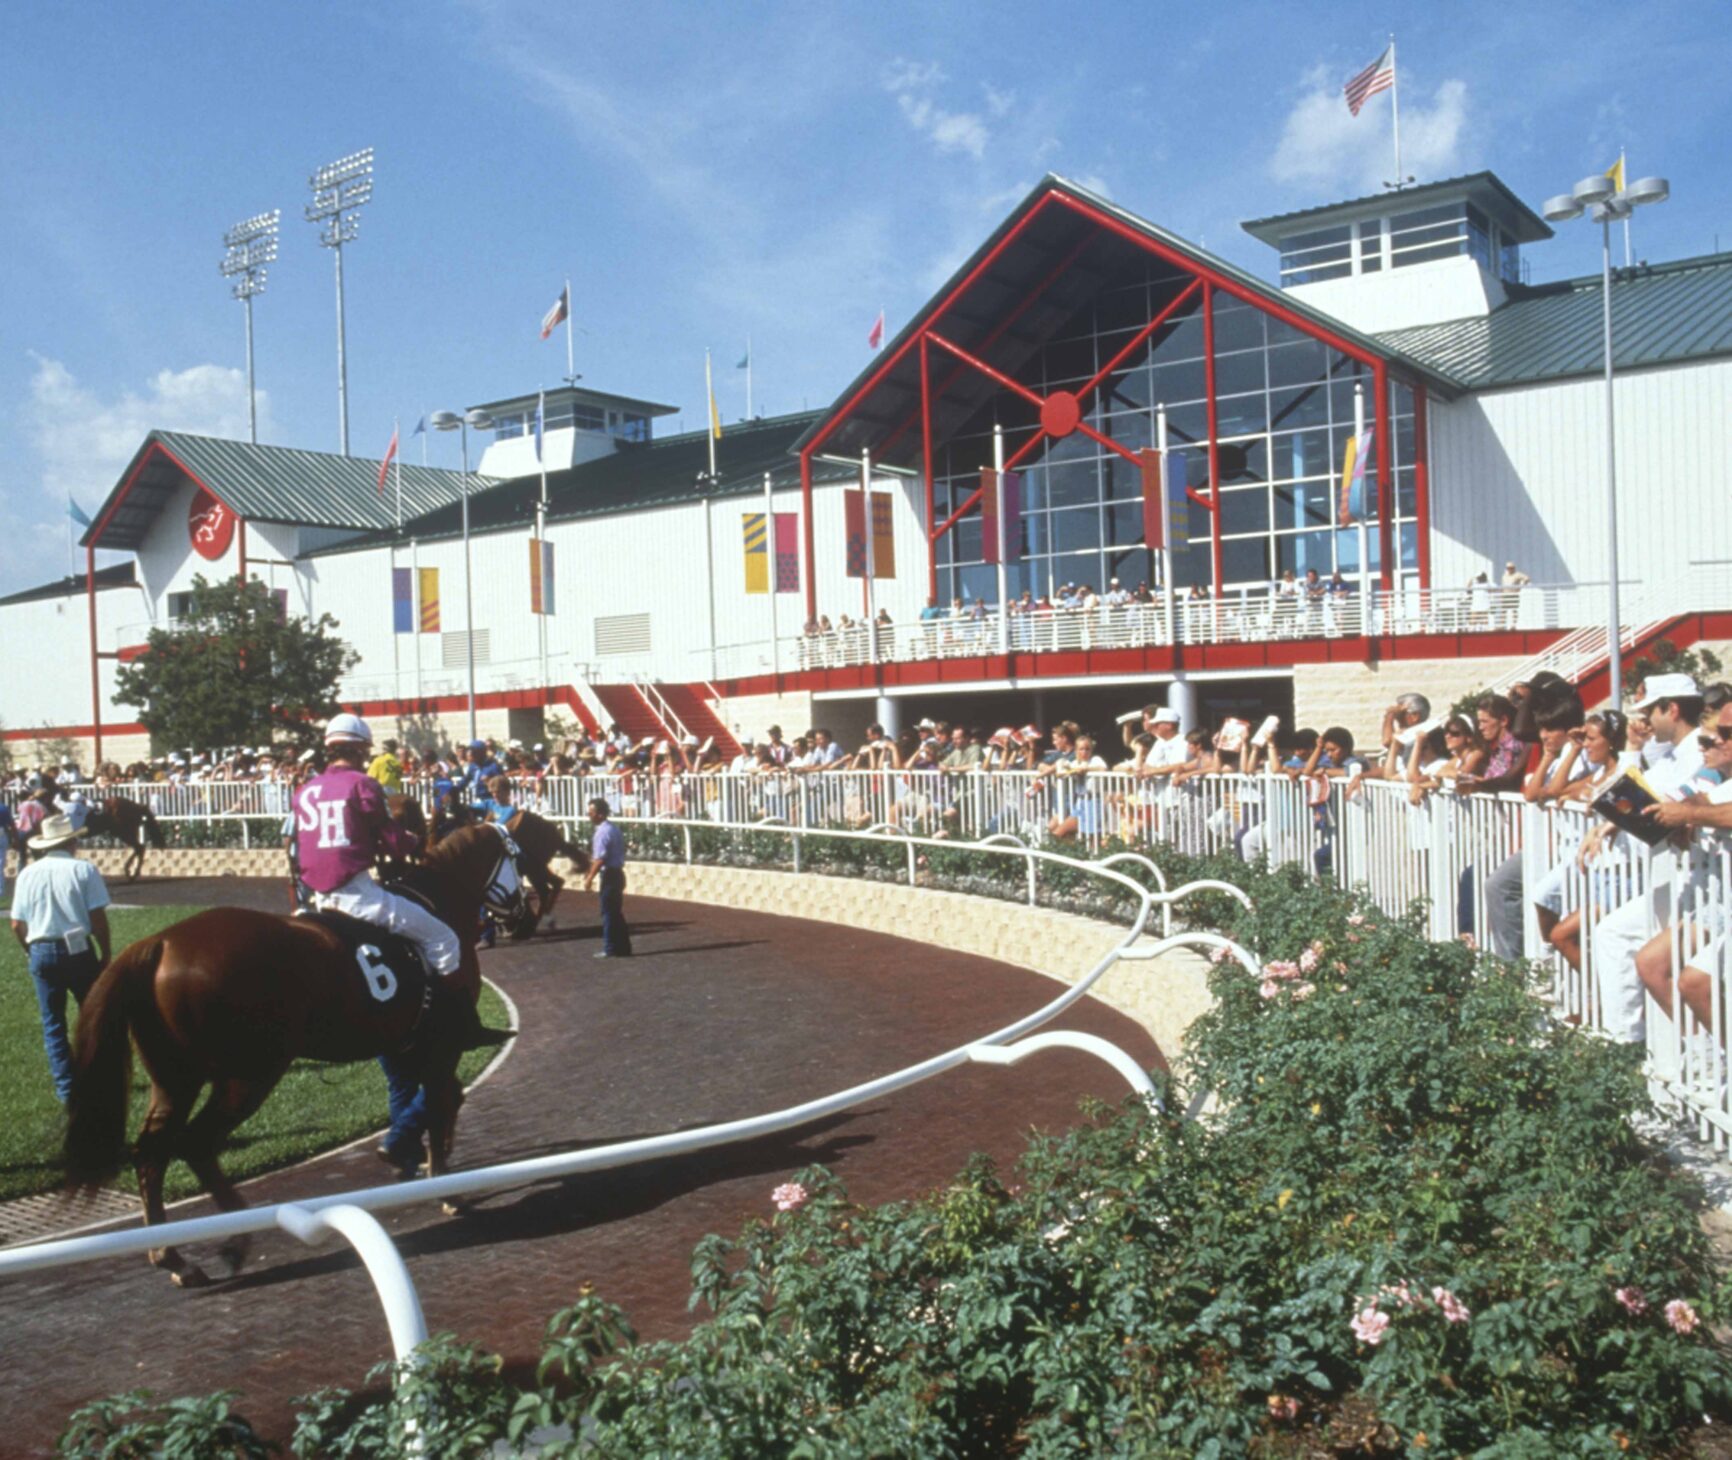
[539, 842]
[229, 998]
[131, 823]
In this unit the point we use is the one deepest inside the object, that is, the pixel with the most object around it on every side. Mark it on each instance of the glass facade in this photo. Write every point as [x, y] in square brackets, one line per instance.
[1284, 412]
[1444, 230]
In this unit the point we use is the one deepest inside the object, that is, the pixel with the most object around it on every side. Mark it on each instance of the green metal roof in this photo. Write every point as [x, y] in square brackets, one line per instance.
[263, 484]
[634, 476]
[1661, 314]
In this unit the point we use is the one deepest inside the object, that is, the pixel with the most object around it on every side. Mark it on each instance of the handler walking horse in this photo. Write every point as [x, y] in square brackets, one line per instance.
[129, 822]
[230, 997]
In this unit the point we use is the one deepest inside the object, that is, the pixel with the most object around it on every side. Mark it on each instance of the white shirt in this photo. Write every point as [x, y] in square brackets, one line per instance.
[1673, 765]
[55, 895]
[1168, 752]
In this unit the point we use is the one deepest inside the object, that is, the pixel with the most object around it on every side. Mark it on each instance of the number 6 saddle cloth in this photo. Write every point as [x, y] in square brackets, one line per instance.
[386, 966]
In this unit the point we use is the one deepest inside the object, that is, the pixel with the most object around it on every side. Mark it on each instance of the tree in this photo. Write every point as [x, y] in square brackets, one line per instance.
[237, 670]
[1665, 657]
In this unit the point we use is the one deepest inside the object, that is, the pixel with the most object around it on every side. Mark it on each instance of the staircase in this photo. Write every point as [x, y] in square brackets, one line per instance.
[689, 704]
[572, 698]
[627, 708]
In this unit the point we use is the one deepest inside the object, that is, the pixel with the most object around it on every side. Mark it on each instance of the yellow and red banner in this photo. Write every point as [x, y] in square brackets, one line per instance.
[429, 600]
[540, 576]
[756, 535]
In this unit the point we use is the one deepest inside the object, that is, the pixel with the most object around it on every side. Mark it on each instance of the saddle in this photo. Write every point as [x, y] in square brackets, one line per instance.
[388, 966]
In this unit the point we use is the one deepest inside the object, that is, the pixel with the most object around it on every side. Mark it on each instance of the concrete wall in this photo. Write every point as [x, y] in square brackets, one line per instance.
[1356, 695]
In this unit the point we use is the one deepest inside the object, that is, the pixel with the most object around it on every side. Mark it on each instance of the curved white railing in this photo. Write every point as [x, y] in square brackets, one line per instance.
[348, 1213]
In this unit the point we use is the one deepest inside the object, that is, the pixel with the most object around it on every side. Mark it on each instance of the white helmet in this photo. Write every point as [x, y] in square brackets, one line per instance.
[348, 729]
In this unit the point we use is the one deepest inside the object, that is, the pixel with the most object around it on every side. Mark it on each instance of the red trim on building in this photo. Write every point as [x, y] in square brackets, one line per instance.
[71, 732]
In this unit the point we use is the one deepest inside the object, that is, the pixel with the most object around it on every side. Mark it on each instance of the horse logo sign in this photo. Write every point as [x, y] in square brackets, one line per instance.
[210, 525]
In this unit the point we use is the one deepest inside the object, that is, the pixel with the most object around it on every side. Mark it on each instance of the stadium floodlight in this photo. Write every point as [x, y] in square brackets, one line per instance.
[248, 247]
[339, 188]
[478, 420]
[1604, 204]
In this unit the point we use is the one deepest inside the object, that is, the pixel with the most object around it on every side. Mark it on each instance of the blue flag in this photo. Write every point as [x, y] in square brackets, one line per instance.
[420, 427]
[76, 513]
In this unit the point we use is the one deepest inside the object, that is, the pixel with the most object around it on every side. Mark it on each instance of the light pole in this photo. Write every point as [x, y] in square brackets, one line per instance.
[249, 246]
[1604, 204]
[340, 188]
[451, 421]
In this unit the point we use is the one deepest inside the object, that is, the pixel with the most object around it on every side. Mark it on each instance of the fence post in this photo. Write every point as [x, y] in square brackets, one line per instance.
[911, 872]
[686, 837]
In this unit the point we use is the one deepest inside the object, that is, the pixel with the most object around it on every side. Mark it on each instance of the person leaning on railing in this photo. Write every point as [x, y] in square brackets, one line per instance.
[1673, 705]
[1084, 812]
[1701, 930]
[1439, 757]
[1402, 723]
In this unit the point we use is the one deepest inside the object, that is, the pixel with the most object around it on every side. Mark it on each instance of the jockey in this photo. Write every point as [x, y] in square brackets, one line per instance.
[342, 825]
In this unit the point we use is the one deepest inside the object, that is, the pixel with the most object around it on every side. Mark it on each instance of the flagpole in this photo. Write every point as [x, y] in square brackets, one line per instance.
[998, 520]
[396, 650]
[770, 547]
[1395, 108]
[749, 351]
[423, 434]
[1366, 618]
[541, 551]
[709, 496]
[570, 357]
[415, 609]
[1623, 179]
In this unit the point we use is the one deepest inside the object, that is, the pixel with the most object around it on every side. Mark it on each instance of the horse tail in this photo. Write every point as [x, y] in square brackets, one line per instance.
[102, 1053]
[153, 828]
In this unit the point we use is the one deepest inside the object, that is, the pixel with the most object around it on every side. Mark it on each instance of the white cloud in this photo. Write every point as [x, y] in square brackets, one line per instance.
[1324, 143]
[912, 84]
[81, 442]
[998, 102]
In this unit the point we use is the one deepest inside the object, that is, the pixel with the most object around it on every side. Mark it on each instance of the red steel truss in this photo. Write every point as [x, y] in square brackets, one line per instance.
[1062, 412]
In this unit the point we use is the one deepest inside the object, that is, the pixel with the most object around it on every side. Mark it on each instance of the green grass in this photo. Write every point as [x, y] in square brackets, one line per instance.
[315, 1108]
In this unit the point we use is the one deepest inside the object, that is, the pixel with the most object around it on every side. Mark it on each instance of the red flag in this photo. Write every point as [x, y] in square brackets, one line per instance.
[989, 532]
[1153, 488]
[875, 335]
[390, 456]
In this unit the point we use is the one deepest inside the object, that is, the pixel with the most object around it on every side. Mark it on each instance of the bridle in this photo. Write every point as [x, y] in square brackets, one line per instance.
[504, 898]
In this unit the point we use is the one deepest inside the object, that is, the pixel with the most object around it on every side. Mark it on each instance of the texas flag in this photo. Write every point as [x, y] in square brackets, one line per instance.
[875, 335]
[555, 317]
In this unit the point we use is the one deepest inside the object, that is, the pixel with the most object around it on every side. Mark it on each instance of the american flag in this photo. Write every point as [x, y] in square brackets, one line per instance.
[1378, 76]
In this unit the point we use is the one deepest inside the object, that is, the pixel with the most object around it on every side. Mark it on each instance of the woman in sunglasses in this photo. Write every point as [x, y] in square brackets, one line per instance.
[1599, 754]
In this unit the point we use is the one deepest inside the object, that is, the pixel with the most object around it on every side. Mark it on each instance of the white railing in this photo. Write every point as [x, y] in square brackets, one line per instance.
[350, 1214]
[1234, 618]
[1476, 862]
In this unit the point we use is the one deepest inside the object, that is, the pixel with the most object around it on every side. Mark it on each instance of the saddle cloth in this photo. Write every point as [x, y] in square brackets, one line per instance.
[388, 967]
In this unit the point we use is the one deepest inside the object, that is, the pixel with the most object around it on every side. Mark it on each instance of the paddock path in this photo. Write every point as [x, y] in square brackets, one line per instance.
[722, 1014]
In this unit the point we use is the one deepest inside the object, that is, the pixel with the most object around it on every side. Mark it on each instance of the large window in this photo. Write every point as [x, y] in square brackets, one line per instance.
[1285, 410]
[1324, 253]
[1426, 234]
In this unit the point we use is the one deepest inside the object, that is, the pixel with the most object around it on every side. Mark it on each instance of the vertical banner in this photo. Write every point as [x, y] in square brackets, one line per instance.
[1011, 496]
[854, 528]
[1178, 503]
[402, 602]
[1353, 458]
[990, 537]
[540, 576]
[1154, 499]
[787, 552]
[756, 533]
[429, 600]
[883, 534]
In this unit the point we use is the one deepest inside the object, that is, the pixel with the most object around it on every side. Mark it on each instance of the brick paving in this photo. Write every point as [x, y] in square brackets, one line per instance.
[722, 1014]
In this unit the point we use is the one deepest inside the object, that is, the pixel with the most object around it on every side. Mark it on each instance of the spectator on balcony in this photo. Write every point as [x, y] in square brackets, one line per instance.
[1512, 583]
[1314, 591]
[877, 753]
[1444, 755]
[1673, 705]
[1595, 757]
[747, 758]
[1116, 612]
[1402, 724]
[1285, 591]
[964, 752]
[826, 754]
[1479, 602]
[1506, 753]
[1170, 752]
[1707, 814]
[780, 751]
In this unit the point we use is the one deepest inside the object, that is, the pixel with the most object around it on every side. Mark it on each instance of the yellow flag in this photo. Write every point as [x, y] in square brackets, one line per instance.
[1616, 173]
[709, 387]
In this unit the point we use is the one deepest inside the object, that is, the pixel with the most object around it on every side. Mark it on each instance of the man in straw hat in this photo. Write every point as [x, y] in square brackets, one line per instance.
[58, 913]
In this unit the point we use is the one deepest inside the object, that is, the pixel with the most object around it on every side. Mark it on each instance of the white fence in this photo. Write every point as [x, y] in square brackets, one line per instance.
[1491, 868]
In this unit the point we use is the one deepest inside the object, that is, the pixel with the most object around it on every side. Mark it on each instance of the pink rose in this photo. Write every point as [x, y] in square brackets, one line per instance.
[1356, 920]
[1220, 955]
[1681, 1316]
[1369, 1325]
[1308, 961]
[1283, 1407]
[788, 1195]
[1634, 1300]
[1304, 990]
[1454, 1310]
[1280, 968]
[1269, 988]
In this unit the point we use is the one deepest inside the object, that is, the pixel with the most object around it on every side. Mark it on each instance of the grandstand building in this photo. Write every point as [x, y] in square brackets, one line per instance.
[1165, 419]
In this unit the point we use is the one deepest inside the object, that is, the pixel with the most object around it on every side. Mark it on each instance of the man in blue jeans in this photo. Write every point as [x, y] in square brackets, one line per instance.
[59, 918]
[607, 861]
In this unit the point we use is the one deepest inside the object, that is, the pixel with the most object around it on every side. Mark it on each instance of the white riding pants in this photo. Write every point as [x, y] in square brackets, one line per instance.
[362, 897]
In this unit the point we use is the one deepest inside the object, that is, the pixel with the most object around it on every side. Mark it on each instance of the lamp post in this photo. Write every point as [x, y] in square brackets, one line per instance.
[1605, 204]
[451, 421]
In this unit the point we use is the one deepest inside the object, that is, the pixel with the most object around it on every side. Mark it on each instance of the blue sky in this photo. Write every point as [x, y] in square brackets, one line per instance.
[705, 173]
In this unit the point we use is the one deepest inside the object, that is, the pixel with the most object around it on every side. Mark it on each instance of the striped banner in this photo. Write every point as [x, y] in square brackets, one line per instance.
[757, 542]
[540, 576]
[429, 600]
[402, 601]
[883, 535]
[787, 552]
